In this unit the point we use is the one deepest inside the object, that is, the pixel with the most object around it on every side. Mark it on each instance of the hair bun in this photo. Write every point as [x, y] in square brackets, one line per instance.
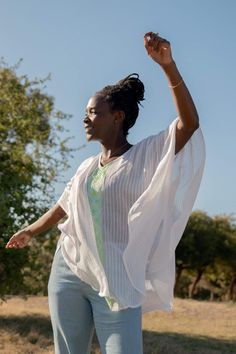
[133, 87]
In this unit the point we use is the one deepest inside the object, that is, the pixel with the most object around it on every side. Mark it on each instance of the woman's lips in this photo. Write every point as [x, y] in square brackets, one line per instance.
[87, 128]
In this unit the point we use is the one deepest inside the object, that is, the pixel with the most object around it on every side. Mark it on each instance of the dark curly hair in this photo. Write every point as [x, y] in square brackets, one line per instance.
[125, 96]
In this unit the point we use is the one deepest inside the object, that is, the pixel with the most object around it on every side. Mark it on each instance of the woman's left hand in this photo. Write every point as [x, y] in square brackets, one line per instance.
[158, 48]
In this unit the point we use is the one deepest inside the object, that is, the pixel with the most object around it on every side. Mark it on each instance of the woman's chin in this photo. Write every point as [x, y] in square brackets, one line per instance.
[90, 137]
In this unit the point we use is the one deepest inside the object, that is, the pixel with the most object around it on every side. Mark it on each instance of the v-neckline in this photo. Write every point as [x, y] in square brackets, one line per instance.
[116, 159]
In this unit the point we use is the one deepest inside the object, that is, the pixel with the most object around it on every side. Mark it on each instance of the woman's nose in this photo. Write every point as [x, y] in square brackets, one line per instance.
[86, 118]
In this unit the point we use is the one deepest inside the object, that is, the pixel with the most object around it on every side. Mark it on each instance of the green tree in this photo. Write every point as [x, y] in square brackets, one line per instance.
[208, 247]
[197, 248]
[32, 155]
[223, 271]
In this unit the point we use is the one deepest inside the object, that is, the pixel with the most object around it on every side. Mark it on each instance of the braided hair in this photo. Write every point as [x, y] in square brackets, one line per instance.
[125, 96]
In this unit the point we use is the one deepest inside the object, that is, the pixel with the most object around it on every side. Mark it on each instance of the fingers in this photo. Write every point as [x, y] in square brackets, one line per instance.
[150, 36]
[14, 243]
[18, 241]
[152, 41]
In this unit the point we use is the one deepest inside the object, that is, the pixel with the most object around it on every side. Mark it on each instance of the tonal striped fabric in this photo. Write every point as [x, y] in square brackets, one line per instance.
[147, 197]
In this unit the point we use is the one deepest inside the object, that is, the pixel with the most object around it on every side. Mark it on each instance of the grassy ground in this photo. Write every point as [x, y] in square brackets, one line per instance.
[193, 327]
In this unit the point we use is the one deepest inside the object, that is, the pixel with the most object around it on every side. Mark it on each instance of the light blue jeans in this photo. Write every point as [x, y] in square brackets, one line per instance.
[76, 309]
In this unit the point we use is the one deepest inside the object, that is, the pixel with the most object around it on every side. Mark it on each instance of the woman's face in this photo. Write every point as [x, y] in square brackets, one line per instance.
[99, 121]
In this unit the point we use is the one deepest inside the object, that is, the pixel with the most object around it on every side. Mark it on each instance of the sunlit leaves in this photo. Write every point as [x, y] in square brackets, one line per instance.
[32, 155]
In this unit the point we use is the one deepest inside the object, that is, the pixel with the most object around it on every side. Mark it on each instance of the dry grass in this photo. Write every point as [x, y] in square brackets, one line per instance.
[193, 327]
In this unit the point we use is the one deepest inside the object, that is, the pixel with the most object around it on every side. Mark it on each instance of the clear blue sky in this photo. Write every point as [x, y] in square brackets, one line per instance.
[88, 44]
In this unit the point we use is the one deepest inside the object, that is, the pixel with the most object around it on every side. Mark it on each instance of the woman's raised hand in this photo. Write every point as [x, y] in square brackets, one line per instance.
[158, 48]
[20, 239]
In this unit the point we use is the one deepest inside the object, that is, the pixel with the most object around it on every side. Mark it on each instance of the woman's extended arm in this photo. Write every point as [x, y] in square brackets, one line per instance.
[45, 222]
[160, 51]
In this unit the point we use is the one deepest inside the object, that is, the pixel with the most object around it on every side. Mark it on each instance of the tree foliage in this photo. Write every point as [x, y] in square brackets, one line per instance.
[223, 272]
[32, 155]
[208, 247]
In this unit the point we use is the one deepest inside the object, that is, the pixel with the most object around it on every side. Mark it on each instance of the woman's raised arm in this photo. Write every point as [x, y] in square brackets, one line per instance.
[160, 51]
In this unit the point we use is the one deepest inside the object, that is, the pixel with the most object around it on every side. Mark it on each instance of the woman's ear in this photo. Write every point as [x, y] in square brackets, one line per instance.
[119, 117]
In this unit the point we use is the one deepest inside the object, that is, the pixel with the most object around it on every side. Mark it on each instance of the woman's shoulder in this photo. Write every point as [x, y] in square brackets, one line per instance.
[157, 141]
[87, 162]
[151, 141]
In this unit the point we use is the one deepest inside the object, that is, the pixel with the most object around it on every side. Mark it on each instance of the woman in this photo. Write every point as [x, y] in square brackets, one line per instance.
[127, 209]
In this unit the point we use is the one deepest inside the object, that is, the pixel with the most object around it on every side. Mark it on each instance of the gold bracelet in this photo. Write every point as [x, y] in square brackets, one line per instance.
[174, 86]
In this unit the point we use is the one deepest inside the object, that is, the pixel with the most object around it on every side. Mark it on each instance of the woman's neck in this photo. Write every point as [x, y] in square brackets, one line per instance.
[110, 153]
[114, 148]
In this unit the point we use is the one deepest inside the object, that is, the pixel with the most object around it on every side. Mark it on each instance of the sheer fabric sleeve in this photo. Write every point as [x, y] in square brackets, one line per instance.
[63, 201]
[164, 207]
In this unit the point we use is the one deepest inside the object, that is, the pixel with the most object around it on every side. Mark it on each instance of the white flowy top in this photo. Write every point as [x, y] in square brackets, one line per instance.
[147, 197]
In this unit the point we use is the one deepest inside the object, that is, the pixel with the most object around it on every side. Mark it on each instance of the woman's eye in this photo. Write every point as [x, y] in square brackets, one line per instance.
[91, 113]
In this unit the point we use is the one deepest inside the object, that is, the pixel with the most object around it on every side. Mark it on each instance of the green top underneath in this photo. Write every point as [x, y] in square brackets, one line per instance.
[94, 189]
